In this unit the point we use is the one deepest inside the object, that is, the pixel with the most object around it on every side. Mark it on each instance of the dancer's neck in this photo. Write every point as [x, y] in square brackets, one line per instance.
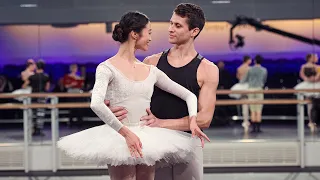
[184, 50]
[126, 52]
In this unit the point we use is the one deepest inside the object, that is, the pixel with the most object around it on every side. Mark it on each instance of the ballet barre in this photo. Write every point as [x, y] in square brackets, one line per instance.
[54, 106]
[218, 92]
[87, 105]
[267, 91]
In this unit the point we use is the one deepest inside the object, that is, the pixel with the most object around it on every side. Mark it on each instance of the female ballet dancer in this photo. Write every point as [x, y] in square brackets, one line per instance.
[241, 72]
[29, 71]
[131, 149]
[310, 73]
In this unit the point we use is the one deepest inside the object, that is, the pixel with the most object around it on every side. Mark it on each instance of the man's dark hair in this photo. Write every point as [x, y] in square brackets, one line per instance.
[258, 59]
[194, 14]
[40, 64]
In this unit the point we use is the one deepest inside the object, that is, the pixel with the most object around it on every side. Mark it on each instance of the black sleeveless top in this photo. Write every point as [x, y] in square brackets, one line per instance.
[167, 106]
[310, 71]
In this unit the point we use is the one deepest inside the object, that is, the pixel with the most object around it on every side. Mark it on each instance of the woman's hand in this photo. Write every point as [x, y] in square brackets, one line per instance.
[133, 142]
[196, 131]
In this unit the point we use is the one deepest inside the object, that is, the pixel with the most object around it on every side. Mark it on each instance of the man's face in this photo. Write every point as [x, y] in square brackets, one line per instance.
[315, 58]
[179, 32]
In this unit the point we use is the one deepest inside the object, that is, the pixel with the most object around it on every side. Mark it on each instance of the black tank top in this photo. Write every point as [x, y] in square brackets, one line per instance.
[167, 106]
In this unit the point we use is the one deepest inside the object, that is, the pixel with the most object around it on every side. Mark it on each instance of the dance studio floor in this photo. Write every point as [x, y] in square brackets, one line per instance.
[243, 176]
[271, 132]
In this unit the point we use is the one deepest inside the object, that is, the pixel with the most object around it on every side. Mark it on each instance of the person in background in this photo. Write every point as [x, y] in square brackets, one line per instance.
[310, 73]
[74, 83]
[39, 82]
[256, 78]
[30, 68]
[224, 76]
[241, 72]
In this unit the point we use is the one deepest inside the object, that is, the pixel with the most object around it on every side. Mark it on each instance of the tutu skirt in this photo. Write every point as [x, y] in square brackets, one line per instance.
[308, 85]
[238, 87]
[105, 146]
[22, 91]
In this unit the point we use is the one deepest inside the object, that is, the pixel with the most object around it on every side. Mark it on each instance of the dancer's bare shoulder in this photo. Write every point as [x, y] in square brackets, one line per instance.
[208, 72]
[153, 59]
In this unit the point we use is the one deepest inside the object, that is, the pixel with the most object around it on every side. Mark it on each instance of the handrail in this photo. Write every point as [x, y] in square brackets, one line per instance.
[87, 105]
[219, 92]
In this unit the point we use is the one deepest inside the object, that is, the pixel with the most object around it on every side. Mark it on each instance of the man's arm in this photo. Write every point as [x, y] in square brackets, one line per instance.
[206, 101]
[26, 82]
[265, 76]
[302, 75]
[47, 88]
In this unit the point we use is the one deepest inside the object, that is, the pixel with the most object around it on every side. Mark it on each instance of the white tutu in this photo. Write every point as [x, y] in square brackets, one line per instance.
[104, 146]
[238, 87]
[308, 85]
[27, 90]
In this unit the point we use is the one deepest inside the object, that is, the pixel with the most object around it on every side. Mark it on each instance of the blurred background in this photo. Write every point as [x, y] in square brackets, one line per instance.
[78, 34]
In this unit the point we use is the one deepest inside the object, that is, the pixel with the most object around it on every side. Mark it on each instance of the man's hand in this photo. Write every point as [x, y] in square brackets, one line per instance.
[118, 111]
[150, 119]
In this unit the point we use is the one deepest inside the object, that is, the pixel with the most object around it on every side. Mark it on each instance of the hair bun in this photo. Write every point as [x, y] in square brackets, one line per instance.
[117, 33]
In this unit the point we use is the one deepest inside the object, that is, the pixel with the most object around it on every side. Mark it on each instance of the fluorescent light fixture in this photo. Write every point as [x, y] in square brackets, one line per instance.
[28, 5]
[220, 2]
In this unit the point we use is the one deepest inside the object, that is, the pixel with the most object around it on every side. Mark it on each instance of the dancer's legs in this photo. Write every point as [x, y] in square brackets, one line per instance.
[256, 111]
[122, 172]
[311, 123]
[245, 115]
[191, 171]
[164, 173]
[144, 172]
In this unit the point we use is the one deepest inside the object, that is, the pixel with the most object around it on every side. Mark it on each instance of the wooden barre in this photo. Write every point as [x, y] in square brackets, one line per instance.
[268, 91]
[87, 105]
[219, 92]
[49, 106]
[45, 95]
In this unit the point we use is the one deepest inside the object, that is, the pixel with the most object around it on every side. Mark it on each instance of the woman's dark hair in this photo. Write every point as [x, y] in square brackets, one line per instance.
[308, 57]
[131, 21]
[246, 58]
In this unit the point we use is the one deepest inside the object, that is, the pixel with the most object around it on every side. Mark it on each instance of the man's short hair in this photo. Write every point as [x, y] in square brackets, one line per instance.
[258, 59]
[194, 13]
[40, 64]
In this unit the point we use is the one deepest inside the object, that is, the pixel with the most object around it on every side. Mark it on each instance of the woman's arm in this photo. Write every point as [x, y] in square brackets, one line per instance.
[103, 77]
[166, 84]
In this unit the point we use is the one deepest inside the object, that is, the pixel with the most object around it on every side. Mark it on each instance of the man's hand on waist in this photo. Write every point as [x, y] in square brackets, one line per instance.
[118, 111]
[151, 120]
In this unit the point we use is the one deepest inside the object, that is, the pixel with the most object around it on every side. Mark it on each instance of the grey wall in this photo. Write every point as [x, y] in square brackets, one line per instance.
[85, 11]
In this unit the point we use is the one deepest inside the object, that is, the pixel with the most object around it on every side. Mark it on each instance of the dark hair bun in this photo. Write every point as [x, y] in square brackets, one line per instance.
[131, 21]
[117, 34]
